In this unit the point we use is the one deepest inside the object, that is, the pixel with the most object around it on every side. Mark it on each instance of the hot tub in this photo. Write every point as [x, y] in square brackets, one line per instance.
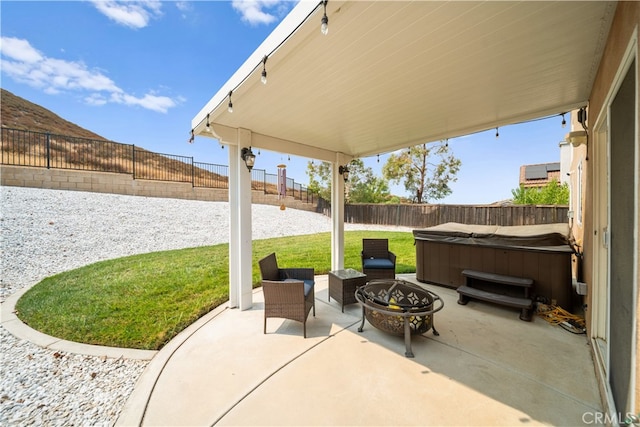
[539, 252]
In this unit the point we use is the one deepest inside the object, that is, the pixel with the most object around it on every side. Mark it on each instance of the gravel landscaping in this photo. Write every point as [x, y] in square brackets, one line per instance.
[44, 232]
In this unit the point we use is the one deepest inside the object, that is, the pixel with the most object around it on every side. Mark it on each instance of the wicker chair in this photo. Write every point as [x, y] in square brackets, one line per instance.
[288, 292]
[377, 261]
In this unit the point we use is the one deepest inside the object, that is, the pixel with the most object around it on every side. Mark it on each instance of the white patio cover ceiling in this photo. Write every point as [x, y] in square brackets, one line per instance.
[392, 74]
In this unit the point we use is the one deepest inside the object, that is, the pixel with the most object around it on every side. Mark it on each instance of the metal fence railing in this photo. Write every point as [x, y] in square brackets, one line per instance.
[51, 151]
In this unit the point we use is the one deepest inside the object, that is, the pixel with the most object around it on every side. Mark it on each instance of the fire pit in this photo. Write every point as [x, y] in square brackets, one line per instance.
[398, 307]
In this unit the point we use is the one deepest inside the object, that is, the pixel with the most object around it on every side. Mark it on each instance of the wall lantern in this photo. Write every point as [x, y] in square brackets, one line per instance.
[248, 157]
[344, 171]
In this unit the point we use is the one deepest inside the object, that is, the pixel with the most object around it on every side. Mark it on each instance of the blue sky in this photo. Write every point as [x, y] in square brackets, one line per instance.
[138, 72]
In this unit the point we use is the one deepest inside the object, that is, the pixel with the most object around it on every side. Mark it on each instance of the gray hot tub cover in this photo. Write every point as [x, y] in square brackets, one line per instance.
[544, 237]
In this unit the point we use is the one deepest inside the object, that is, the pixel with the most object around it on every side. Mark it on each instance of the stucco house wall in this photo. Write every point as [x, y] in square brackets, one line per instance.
[623, 34]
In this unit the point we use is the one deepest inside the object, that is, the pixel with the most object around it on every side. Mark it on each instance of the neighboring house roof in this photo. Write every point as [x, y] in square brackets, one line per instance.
[539, 175]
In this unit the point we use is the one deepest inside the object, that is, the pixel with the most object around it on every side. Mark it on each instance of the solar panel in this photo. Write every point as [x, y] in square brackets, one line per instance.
[535, 172]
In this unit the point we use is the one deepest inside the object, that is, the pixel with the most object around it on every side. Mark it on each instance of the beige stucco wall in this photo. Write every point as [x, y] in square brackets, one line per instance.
[105, 182]
[625, 22]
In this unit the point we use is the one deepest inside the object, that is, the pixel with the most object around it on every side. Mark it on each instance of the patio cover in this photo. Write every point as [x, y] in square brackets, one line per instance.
[393, 74]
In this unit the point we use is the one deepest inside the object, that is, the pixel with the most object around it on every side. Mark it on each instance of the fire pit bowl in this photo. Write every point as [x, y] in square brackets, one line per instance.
[398, 307]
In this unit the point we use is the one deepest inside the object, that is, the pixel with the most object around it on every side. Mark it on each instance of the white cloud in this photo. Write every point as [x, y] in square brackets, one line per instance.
[19, 49]
[133, 14]
[22, 62]
[160, 104]
[184, 6]
[255, 11]
[95, 99]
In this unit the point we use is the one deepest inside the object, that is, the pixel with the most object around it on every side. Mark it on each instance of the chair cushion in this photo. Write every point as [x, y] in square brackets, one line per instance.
[308, 285]
[376, 263]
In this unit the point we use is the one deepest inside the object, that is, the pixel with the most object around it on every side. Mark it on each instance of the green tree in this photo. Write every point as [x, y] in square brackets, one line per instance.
[362, 186]
[320, 179]
[553, 193]
[426, 170]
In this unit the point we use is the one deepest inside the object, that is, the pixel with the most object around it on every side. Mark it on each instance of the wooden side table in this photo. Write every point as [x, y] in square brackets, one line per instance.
[343, 285]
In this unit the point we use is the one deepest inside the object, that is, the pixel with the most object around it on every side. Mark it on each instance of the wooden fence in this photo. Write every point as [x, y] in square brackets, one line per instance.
[421, 216]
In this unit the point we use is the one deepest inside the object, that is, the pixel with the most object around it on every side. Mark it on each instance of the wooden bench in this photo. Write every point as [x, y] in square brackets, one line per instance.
[525, 303]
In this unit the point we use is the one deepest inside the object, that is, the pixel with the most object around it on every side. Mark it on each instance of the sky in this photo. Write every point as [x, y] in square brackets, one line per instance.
[137, 72]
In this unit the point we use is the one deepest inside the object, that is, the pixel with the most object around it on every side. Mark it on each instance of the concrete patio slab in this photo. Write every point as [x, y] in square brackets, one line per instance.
[487, 367]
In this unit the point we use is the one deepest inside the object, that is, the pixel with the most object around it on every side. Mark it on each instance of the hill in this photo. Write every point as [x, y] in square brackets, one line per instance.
[73, 147]
[18, 113]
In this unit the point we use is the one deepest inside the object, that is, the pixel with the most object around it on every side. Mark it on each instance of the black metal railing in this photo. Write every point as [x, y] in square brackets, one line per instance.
[51, 151]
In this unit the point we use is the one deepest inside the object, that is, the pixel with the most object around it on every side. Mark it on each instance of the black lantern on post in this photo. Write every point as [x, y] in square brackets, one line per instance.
[248, 157]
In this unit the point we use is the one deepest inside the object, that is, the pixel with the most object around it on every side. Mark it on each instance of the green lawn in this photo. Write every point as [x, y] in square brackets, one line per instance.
[143, 301]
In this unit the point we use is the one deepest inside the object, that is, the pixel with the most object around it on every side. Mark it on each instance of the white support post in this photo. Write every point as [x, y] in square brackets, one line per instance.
[240, 235]
[337, 214]
[245, 238]
[234, 226]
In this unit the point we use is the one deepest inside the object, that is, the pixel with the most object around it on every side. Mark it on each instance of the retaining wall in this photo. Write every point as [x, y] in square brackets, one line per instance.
[117, 183]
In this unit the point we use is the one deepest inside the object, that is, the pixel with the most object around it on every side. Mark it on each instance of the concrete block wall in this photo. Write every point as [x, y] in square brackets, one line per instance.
[116, 183]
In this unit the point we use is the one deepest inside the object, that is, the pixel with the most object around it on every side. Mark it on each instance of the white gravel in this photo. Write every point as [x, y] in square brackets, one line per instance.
[44, 232]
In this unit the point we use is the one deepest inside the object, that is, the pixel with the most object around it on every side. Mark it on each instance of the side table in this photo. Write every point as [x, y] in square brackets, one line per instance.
[343, 285]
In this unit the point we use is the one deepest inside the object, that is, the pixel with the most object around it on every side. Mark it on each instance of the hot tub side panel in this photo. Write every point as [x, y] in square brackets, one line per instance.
[442, 263]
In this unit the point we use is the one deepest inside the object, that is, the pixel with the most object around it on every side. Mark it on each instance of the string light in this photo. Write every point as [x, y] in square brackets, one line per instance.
[446, 143]
[497, 134]
[263, 79]
[378, 158]
[324, 28]
[564, 122]
[193, 137]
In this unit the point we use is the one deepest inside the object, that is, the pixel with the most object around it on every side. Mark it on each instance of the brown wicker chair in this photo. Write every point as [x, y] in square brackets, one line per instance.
[288, 292]
[377, 261]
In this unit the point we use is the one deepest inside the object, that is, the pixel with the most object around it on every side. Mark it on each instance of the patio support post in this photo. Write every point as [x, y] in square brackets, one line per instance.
[245, 228]
[234, 226]
[337, 214]
[240, 237]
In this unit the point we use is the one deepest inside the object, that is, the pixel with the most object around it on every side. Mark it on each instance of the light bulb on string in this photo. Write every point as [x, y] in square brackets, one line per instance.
[497, 134]
[263, 78]
[564, 122]
[324, 27]
[230, 108]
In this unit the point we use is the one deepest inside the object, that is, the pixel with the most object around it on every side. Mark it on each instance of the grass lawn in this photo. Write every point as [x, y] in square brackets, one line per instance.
[143, 301]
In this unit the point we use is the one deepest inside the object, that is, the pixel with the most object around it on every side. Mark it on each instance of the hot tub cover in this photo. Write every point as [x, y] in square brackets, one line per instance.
[543, 237]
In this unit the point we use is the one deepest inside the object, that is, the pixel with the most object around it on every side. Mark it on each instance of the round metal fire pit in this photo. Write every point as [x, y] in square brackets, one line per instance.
[398, 307]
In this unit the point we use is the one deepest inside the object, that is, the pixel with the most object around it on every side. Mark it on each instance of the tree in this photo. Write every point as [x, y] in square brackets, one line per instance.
[320, 179]
[422, 178]
[362, 186]
[551, 194]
